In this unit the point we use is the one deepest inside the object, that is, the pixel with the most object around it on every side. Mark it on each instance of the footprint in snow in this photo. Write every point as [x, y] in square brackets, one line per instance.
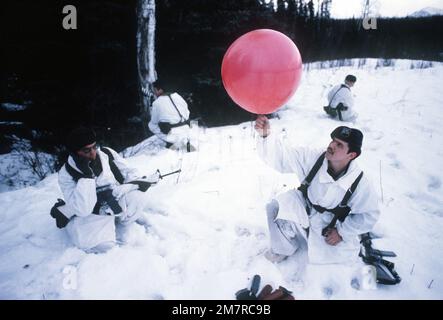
[434, 183]
[328, 292]
[240, 231]
[377, 135]
[395, 162]
[330, 289]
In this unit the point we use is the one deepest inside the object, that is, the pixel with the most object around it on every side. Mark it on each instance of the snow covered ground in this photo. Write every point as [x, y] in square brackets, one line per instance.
[208, 229]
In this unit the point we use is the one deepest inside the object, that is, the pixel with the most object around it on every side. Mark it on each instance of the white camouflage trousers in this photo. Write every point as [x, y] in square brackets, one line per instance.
[286, 236]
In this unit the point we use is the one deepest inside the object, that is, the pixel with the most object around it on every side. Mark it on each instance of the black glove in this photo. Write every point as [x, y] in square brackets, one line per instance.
[82, 164]
[142, 185]
[165, 127]
[60, 219]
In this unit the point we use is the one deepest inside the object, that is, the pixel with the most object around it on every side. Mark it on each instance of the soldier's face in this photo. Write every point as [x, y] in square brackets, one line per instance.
[338, 151]
[158, 92]
[89, 151]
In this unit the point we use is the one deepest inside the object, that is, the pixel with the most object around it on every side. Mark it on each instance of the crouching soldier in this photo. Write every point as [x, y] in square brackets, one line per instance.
[334, 204]
[170, 119]
[341, 101]
[99, 189]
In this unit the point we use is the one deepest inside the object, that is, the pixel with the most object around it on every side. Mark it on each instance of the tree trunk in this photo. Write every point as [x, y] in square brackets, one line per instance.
[146, 57]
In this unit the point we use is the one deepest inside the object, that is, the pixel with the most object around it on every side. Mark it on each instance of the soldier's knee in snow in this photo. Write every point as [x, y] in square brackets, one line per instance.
[272, 209]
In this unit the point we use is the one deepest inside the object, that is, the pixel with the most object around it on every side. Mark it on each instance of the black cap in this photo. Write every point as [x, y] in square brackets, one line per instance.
[351, 78]
[80, 137]
[353, 137]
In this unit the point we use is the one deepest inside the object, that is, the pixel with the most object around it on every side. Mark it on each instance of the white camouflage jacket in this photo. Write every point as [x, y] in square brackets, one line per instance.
[81, 196]
[323, 191]
[164, 111]
[339, 94]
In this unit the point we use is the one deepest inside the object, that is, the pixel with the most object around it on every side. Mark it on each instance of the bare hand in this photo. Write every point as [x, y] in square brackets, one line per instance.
[333, 237]
[262, 126]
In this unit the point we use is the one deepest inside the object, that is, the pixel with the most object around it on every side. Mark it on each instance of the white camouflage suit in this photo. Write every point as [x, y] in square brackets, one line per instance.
[290, 207]
[88, 230]
[339, 94]
[163, 110]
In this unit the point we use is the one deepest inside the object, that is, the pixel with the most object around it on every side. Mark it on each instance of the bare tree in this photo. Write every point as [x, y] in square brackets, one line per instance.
[325, 9]
[281, 5]
[146, 56]
[39, 164]
[26, 165]
[370, 8]
[311, 11]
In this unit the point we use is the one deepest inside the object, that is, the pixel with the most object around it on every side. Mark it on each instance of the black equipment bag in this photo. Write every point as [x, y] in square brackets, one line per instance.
[384, 268]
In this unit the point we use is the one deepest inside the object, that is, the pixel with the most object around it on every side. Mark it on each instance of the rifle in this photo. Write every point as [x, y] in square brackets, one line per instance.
[367, 244]
[384, 268]
[168, 174]
[105, 201]
[145, 185]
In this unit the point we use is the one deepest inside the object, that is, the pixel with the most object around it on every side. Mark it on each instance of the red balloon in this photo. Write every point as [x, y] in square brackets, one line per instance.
[261, 70]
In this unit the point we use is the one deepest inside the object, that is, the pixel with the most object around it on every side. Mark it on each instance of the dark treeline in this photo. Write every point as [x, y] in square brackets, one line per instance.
[89, 75]
[69, 77]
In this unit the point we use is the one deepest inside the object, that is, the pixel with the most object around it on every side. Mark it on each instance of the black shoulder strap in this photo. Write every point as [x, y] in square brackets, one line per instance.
[115, 170]
[341, 211]
[314, 169]
[173, 103]
[341, 87]
[339, 109]
[351, 190]
[337, 211]
[73, 173]
[344, 201]
[303, 188]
